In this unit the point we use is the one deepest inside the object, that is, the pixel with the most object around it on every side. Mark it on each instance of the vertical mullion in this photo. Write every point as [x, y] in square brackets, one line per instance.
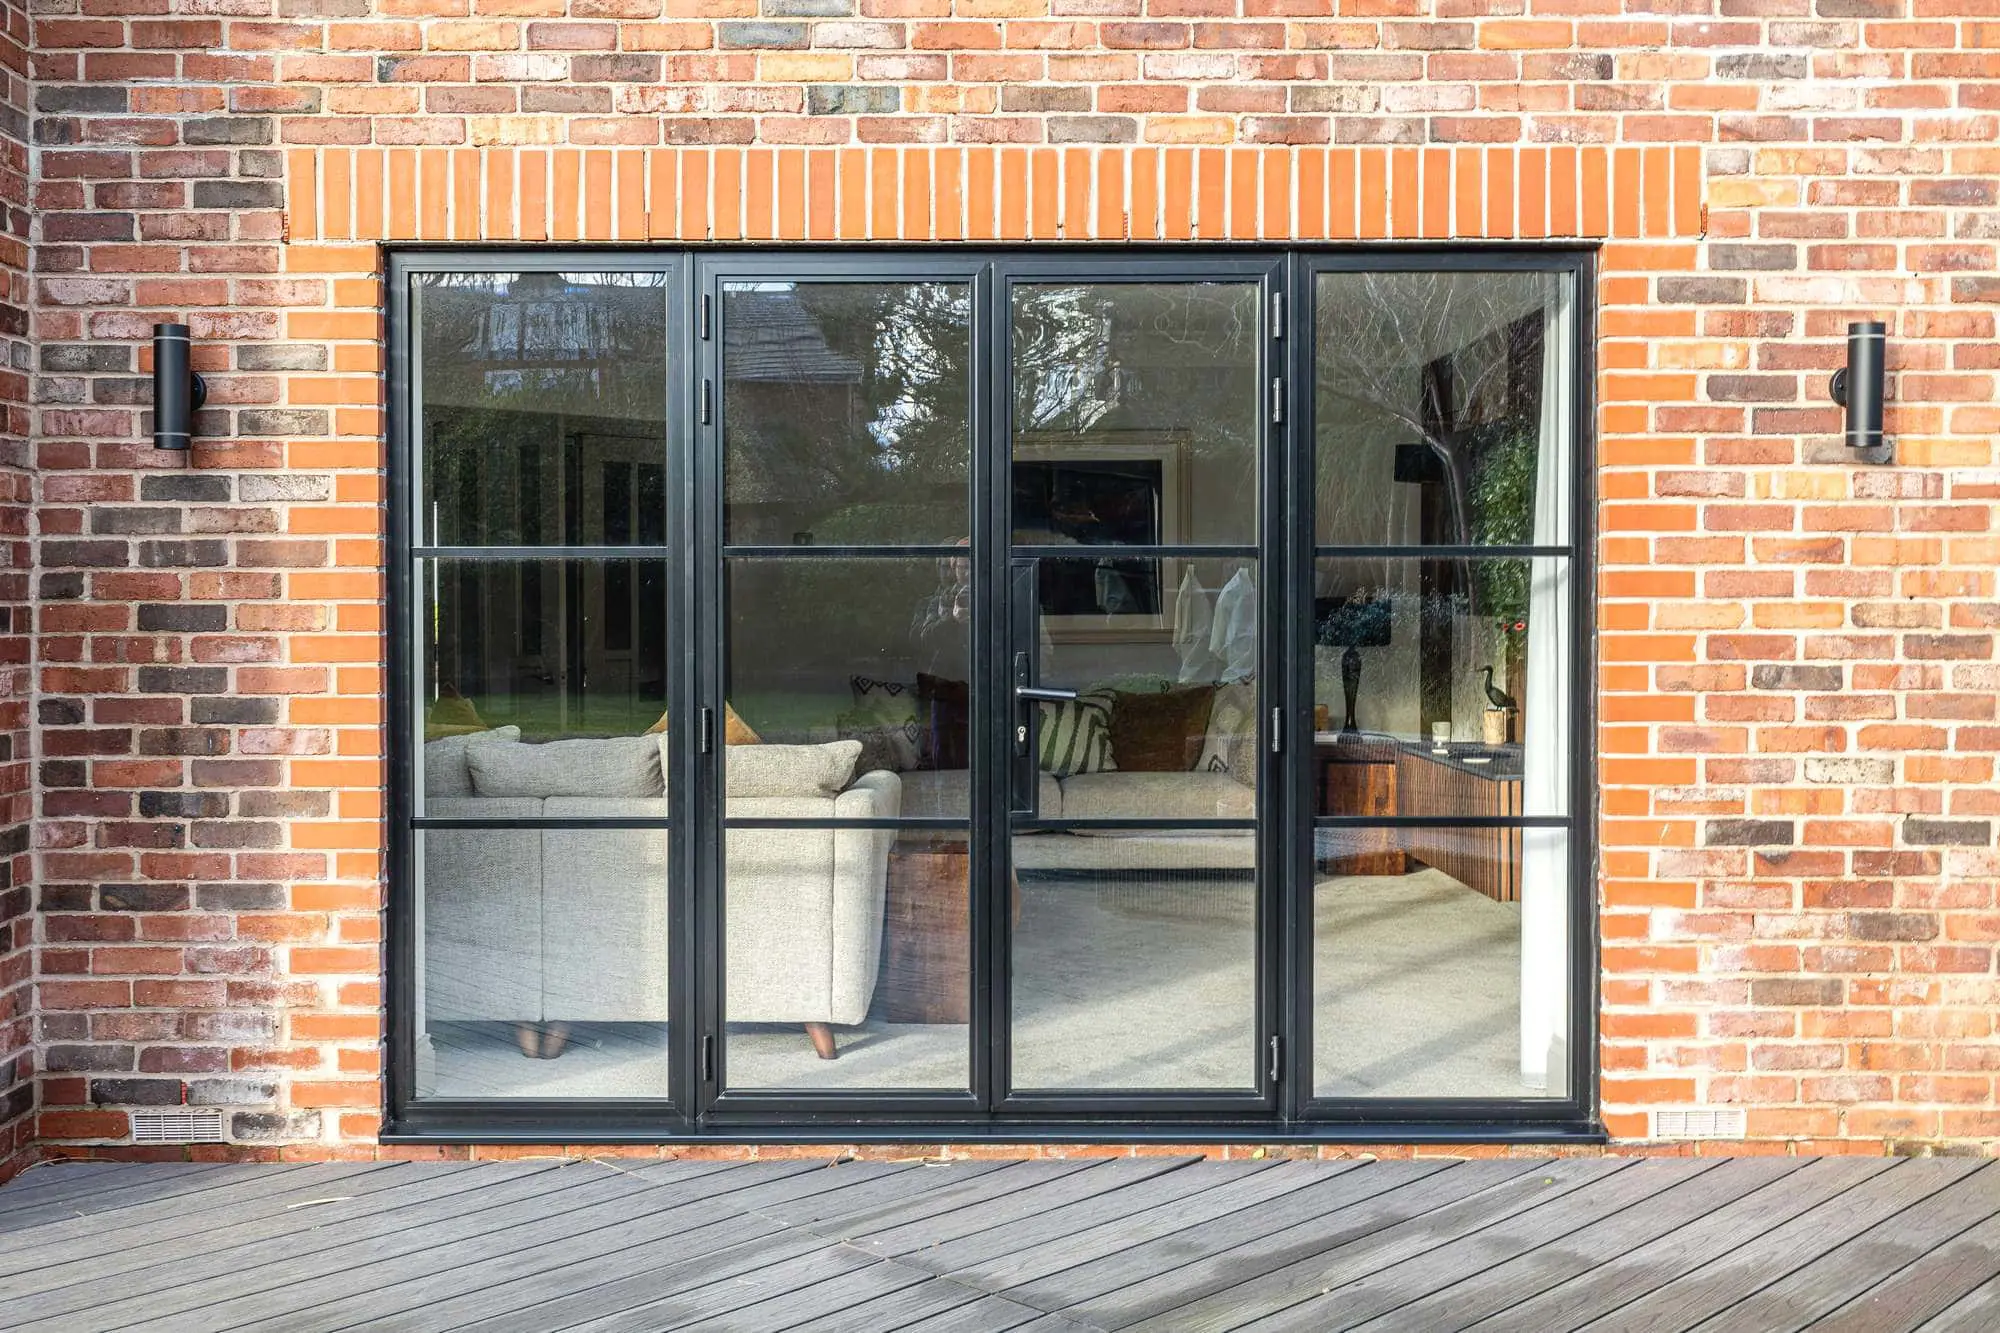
[987, 646]
[704, 650]
[1580, 644]
[992, 505]
[1301, 474]
[683, 1090]
[402, 953]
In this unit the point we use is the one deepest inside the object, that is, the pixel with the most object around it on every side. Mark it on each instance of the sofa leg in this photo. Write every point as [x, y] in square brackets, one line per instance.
[822, 1039]
[541, 1041]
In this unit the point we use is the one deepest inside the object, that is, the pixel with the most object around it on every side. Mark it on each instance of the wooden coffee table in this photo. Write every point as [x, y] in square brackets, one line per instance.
[927, 932]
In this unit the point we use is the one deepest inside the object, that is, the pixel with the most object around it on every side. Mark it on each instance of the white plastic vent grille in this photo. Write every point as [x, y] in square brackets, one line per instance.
[1705, 1123]
[177, 1127]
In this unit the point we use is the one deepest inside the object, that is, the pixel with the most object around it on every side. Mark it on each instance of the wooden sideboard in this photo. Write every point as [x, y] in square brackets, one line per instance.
[1380, 776]
[1485, 859]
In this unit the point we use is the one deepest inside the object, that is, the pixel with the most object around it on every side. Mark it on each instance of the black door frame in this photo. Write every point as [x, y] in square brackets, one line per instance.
[1282, 1109]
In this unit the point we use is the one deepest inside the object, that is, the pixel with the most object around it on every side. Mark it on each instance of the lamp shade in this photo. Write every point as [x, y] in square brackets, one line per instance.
[1352, 622]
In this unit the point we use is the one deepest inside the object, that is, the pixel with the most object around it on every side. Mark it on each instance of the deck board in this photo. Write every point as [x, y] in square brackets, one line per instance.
[1045, 1246]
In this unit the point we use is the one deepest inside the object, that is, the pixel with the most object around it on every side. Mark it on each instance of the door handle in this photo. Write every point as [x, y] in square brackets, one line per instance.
[1027, 697]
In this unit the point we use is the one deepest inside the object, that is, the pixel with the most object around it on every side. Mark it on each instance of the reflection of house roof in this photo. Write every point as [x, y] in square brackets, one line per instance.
[542, 320]
[769, 337]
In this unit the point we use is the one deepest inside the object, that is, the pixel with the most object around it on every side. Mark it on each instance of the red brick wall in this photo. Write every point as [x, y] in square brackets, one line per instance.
[1797, 677]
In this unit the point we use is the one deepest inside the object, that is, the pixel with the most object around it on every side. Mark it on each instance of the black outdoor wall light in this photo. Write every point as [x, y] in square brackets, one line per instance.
[1858, 385]
[178, 392]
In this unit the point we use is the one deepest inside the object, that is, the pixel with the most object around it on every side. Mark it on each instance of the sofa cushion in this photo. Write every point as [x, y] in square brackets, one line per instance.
[884, 719]
[947, 794]
[944, 712]
[789, 770]
[626, 766]
[1123, 795]
[446, 772]
[1230, 744]
[1160, 732]
[1075, 737]
[735, 731]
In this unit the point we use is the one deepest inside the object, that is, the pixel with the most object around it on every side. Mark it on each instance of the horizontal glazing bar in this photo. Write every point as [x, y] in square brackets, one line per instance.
[1137, 825]
[1100, 550]
[1443, 821]
[539, 552]
[1441, 552]
[895, 822]
[422, 822]
[930, 552]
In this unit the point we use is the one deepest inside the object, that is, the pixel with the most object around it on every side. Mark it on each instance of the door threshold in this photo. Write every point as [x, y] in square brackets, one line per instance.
[422, 1130]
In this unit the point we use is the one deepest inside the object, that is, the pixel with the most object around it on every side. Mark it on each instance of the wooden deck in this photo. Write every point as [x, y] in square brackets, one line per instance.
[1751, 1244]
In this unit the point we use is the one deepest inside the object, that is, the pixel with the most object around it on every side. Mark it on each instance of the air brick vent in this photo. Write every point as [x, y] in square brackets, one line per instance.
[176, 1127]
[1699, 1123]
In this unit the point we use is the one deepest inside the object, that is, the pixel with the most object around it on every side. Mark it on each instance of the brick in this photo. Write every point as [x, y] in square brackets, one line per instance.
[1795, 649]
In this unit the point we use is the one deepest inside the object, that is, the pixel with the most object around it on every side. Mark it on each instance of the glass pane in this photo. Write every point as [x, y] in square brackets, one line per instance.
[1136, 413]
[1163, 655]
[848, 957]
[544, 963]
[845, 412]
[1134, 961]
[557, 648]
[1442, 408]
[1441, 963]
[542, 408]
[826, 652]
[1441, 687]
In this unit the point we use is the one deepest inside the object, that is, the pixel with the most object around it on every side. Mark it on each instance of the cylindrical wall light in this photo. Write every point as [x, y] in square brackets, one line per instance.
[178, 392]
[1858, 385]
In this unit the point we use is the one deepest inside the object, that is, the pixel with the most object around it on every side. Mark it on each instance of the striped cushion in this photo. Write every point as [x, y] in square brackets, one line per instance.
[1076, 736]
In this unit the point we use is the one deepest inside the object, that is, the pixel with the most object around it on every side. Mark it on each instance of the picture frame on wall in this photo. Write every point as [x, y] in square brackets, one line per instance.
[1104, 490]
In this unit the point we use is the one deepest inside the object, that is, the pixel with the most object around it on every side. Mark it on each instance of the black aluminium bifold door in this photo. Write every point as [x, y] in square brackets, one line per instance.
[842, 691]
[953, 504]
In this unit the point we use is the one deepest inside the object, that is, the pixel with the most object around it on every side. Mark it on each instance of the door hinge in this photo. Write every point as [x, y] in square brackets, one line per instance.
[708, 1059]
[1277, 1069]
[707, 394]
[1277, 402]
[704, 316]
[1277, 314]
[1277, 731]
[707, 730]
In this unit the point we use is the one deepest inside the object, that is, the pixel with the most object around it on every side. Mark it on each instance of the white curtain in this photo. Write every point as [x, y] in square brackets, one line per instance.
[1546, 738]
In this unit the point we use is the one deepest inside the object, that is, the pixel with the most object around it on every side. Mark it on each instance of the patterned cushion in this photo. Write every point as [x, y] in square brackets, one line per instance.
[884, 719]
[1076, 736]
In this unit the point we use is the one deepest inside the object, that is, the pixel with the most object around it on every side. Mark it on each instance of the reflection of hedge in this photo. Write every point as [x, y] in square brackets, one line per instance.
[829, 620]
[1503, 514]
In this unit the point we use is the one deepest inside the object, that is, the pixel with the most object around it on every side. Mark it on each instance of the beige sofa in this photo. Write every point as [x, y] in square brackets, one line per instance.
[1114, 795]
[551, 927]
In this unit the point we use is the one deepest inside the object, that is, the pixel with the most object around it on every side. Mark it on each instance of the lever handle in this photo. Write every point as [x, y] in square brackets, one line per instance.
[1044, 694]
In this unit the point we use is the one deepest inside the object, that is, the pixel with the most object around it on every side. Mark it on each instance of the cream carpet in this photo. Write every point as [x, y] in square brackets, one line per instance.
[1126, 984]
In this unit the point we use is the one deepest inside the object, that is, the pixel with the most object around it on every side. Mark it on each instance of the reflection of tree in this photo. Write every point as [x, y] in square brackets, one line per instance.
[847, 407]
[1381, 332]
[515, 367]
[1093, 357]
